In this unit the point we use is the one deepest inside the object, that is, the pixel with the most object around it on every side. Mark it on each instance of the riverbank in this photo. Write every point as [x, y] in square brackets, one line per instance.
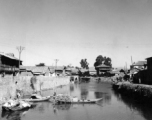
[103, 79]
[9, 85]
[139, 92]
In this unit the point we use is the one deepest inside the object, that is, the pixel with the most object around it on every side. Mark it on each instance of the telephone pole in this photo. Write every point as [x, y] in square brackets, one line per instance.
[126, 66]
[20, 49]
[131, 60]
[56, 61]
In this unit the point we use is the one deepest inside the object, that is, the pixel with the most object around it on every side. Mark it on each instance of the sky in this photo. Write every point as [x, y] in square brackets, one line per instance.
[71, 30]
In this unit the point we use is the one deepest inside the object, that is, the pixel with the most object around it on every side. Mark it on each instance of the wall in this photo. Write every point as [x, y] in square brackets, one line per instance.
[8, 85]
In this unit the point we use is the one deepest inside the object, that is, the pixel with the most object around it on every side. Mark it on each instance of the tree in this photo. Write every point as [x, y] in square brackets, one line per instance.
[84, 64]
[102, 60]
[108, 61]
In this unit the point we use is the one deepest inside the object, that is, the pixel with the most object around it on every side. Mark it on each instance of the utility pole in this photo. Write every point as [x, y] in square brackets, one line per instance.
[20, 49]
[126, 66]
[56, 61]
[131, 60]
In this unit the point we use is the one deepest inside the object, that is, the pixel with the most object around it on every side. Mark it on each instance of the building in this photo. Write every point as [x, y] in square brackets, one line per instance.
[102, 69]
[9, 63]
[143, 73]
[92, 71]
[35, 70]
[139, 65]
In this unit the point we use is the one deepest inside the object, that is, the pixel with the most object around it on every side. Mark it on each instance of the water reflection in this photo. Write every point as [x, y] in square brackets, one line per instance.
[141, 108]
[84, 94]
[106, 97]
[62, 107]
[16, 115]
[71, 87]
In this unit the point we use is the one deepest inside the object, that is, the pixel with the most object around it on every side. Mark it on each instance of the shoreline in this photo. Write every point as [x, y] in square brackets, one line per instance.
[139, 92]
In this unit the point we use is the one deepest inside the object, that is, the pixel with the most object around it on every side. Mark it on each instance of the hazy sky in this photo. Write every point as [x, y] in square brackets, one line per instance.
[70, 30]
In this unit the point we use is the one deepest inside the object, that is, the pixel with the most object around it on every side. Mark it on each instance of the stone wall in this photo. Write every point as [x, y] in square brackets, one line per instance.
[9, 85]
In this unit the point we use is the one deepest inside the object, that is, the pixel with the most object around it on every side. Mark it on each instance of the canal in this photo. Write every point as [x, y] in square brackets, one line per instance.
[113, 106]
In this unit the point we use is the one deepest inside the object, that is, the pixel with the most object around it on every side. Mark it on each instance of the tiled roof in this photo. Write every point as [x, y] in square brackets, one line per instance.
[103, 65]
[42, 69]
[140, 63]
[36, 69]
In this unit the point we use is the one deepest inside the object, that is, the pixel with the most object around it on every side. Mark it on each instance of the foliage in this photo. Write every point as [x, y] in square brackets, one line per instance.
[103, 60]
[84, 64]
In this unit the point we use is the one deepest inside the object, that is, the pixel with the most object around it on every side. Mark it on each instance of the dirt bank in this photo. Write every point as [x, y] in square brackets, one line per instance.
[139, 92]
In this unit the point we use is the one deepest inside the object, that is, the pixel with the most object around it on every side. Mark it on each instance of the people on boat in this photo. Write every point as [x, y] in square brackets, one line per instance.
[36, 96]
[20, 104]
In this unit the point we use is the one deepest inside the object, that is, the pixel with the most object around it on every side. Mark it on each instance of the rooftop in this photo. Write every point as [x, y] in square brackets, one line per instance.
[103, 66]
[140, 63]
[8, 55]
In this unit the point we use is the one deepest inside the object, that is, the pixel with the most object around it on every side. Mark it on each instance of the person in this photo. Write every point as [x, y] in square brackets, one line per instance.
[18, 95]
[3, 74]
[54, 95]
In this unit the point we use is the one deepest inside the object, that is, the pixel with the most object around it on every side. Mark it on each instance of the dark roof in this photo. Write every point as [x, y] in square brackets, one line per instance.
[59, 68]
[104, 69]
[140, 63]
[103, 66]
[9, 56]
[149, 58]
[68, 69]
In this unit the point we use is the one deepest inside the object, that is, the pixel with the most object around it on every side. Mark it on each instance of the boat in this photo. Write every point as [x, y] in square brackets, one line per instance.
[88, 101]
[16, 105]
[65, 99]
[37, 98]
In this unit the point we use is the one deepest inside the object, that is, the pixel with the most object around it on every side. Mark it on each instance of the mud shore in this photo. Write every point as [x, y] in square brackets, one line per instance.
[139, 92]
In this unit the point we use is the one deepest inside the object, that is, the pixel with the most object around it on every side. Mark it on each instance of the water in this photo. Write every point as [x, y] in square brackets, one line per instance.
[113, 106]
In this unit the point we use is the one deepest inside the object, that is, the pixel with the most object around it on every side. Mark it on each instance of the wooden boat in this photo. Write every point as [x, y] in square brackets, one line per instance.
[87, 101]
[77, 101]
[36, 98]
[16, 106]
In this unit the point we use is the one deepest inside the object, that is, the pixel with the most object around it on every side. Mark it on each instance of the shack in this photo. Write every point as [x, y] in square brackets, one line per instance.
[9, 63]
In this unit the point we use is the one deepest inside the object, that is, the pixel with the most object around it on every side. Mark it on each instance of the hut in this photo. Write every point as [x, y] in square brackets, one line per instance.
[9, 63]
[102, 69]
